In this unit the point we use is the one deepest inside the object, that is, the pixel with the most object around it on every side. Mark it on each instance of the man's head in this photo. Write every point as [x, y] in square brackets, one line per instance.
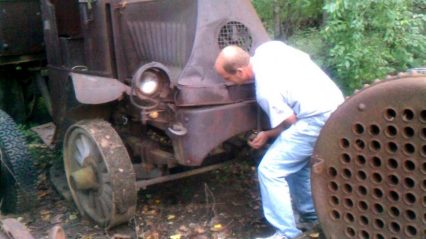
[233, 64]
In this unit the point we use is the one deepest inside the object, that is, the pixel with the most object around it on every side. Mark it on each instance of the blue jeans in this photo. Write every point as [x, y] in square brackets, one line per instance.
[284, 176]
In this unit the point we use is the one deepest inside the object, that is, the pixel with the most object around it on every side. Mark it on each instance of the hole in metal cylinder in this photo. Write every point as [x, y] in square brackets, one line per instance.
[362, 190]
[377, 178]
[361, 175]
[360, 159]
[363, 205]
[409, 148]
[349, 218]
[346, 158]
[375, 145]
[407, 115]
[391, 131]
[364, 235]
[333, 186]
[363, 220]
[410, 231]
[335, 215]
[423, 152]
[409, 182]
[359, 144]
[334, 201]
[394, 196]
[392, 147]
[395, 227]
[379, 236]
[394, 211]
[349, 203]
[410, 198]
[410, 215]
[423, 133]
[347, 188]
[378, 208]
[390, 114]
[378, 193]
[374, 130]
[423, 116]
[376, 162]
[332, 172]
[392, 163]
[409, 165]
[358, 128]
[344, 143]
[378, 223]
[409, 132]
[393, 180]
[347, 173]
[350, 232]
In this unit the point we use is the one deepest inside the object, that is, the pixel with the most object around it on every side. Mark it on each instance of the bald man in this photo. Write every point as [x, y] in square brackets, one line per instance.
[298, 98]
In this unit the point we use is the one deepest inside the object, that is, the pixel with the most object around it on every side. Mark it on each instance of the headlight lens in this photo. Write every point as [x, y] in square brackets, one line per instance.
[149, 83]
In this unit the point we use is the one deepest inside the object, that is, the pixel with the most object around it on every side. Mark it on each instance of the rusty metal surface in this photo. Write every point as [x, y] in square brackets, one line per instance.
[95, 144]
[208, 127]
[20, 31]
[13, 229]
[97, 90]
[369, 164]
[110, 36]
[56, 232]
[143, 184]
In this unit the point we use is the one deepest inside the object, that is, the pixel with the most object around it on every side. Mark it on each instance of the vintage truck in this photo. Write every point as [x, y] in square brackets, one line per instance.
[134, 97]
[134, 93]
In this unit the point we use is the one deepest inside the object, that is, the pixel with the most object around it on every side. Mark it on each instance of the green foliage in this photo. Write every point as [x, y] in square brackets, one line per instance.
[369, 39]
[294, 14]
[310, 41]
[359, 41]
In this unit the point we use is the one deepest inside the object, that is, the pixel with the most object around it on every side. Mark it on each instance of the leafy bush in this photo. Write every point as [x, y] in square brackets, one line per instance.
[357, 41]
[369, 39]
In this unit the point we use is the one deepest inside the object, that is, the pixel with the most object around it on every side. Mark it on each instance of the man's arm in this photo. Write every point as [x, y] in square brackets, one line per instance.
[263, 136]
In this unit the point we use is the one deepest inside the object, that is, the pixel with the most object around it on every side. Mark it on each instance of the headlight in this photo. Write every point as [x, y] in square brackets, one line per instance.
[149, 83]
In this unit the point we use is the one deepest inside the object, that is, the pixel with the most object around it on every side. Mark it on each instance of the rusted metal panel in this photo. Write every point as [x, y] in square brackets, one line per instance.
[21, 32]
[14, 229]
[163, 33]
[94, 90]
[65, 107]
[369, 164]
[208, 127]
[186, 36]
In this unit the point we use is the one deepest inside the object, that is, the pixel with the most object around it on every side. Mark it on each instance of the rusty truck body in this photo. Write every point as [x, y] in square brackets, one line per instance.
[134, 92]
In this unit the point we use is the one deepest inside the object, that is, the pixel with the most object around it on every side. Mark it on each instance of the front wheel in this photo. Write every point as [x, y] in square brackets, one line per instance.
[99, 172]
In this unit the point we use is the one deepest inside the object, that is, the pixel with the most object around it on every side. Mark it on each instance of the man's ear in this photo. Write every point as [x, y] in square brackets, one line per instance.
[240, 72]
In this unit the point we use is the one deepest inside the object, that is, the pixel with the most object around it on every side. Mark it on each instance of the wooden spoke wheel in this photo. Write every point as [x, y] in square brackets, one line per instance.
[99, 172]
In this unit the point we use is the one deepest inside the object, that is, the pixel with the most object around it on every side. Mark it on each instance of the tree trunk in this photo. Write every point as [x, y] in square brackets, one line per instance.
[278, 30]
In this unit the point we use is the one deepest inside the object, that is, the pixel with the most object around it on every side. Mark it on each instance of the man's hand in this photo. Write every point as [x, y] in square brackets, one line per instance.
[259, 141]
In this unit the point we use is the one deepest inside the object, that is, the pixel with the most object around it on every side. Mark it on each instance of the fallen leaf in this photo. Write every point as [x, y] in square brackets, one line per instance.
[177, 236]
[45, 215]
[72, 217]
[314, 235]
[183, 228]
[121, 236]
[216, 227]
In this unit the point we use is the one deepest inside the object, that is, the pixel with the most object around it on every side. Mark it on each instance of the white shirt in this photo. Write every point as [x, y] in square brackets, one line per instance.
[288, 81]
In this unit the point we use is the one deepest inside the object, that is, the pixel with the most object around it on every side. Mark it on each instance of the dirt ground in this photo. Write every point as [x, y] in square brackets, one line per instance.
[221, 204]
